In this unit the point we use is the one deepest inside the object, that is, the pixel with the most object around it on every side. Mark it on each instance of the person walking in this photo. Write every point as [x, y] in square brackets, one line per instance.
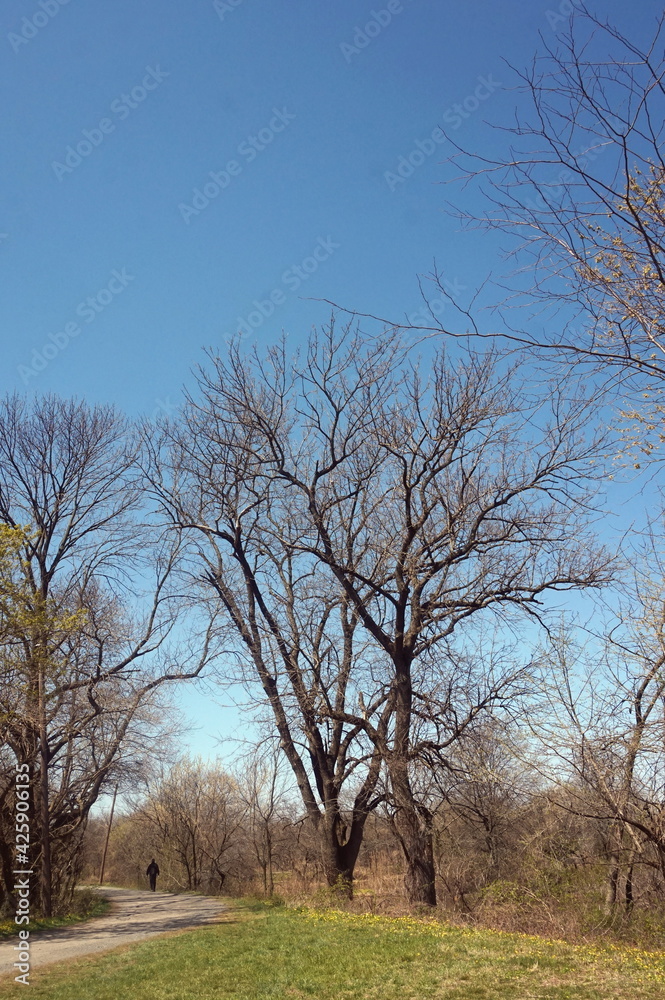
[152, 871]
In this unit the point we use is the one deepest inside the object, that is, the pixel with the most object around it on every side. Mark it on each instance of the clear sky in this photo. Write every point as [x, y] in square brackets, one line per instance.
[174, 172]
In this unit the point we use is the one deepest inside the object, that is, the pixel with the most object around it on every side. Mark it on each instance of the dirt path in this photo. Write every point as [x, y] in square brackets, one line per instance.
[134, 915]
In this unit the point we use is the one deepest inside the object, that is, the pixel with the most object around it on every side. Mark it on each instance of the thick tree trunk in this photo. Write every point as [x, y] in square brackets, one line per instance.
[27, 751]
[611, 890]
[339, 875]
[340, 854]
[412, 822]
[415, 836]
[612, 885]
[614, 845]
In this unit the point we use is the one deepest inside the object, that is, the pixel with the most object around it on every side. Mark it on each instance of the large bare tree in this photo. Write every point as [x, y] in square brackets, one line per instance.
[296, 631]
[427, 498]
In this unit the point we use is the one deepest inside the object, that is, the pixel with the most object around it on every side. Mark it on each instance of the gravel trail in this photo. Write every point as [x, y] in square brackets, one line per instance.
[134, 916]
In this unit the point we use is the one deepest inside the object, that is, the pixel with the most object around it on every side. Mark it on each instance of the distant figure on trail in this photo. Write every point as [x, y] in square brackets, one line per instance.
[152, 871]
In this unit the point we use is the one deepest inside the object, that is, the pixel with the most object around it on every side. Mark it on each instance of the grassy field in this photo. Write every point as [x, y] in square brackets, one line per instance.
[261, 952]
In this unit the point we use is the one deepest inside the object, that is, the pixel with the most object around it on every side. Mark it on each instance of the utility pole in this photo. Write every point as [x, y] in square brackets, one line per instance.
[108, 834]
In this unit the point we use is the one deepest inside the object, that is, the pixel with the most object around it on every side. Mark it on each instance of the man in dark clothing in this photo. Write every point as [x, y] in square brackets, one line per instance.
[152, 872]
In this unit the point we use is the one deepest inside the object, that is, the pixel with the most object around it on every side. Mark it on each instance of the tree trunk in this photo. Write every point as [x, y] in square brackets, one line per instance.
[419, 856]
[7, 866]
[412, 822]
[628, 896]
[270, 879]
[338, 861]
[612, 885]
[338, 876]
[28, 750]
[413, 828]
[340, 852]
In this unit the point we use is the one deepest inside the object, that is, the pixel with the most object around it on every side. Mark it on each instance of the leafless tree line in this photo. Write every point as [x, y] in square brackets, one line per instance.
[375, 544]
[509, 847]
[351, 534]
[213, 829]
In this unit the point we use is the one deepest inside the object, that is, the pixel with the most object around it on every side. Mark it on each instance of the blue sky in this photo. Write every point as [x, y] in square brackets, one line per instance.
[290, 120]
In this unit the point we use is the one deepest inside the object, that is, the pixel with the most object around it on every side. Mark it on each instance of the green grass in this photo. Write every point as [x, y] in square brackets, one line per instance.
[86, 905]
[262, 952]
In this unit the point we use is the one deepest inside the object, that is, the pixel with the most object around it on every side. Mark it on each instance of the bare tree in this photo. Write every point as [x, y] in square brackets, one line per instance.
[269, 807]
[296, 631]
[80, 663]
[195, 820]
[581, 193]
[427, 500]
[607, 726]
[484, 786]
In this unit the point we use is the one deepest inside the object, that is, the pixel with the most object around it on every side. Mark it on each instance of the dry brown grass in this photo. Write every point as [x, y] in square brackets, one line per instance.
[576, 918]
